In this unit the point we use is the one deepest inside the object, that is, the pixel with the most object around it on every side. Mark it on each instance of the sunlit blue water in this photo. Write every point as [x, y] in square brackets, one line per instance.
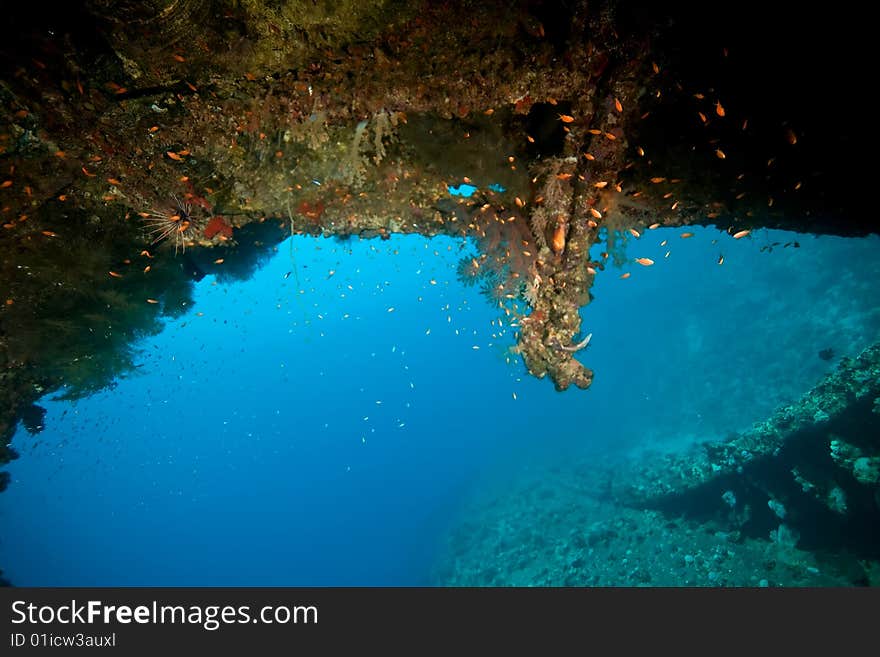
[331, 437]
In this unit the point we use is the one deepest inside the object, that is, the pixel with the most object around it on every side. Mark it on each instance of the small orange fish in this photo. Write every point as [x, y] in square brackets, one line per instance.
[563, 176]
[702, 117]
[155, 128]
[721, 260]
[634, 232]
[589, 156]
[88, 173]
[173, 156]
[114, 181]
[60, 154]
[566, 118]
[790, 137]
[741, 234]
[617, 105]
[654, 226]
[114, 274]
[593, 131]
[684, 236]
[657, 180]
[645, 262]
[530, 139]
[5, 184]
[601, 184]
[147, 268]
[626, 275]
[640, 151]
[610, 136]
[519, 202]
[179, 58]
[218, 261]
[655, 68]
[719, 108]
[595, 213]
[720, 154]
[152, 301]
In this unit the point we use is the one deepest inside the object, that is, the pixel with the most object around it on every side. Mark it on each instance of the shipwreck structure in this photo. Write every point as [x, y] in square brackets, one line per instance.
[145, 143]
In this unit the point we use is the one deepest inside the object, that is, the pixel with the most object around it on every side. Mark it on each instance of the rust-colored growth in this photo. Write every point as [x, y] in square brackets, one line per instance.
[523, 105]
[558, 242]
[311, 211]
[218, 226]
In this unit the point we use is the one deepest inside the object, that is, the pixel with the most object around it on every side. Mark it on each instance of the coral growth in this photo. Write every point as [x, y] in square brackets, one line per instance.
[313, 211]
[218, 226]
[508, 260]
[621, 211]
[366, 147]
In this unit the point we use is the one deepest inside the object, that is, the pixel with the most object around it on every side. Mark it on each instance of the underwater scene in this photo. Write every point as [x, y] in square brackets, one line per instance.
[277, 434]
[323, 295]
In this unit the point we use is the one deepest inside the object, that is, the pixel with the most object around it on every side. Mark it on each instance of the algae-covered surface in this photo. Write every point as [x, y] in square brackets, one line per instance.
[448, 293]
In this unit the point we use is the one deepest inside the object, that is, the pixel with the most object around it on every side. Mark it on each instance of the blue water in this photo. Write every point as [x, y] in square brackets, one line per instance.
[328, 429]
